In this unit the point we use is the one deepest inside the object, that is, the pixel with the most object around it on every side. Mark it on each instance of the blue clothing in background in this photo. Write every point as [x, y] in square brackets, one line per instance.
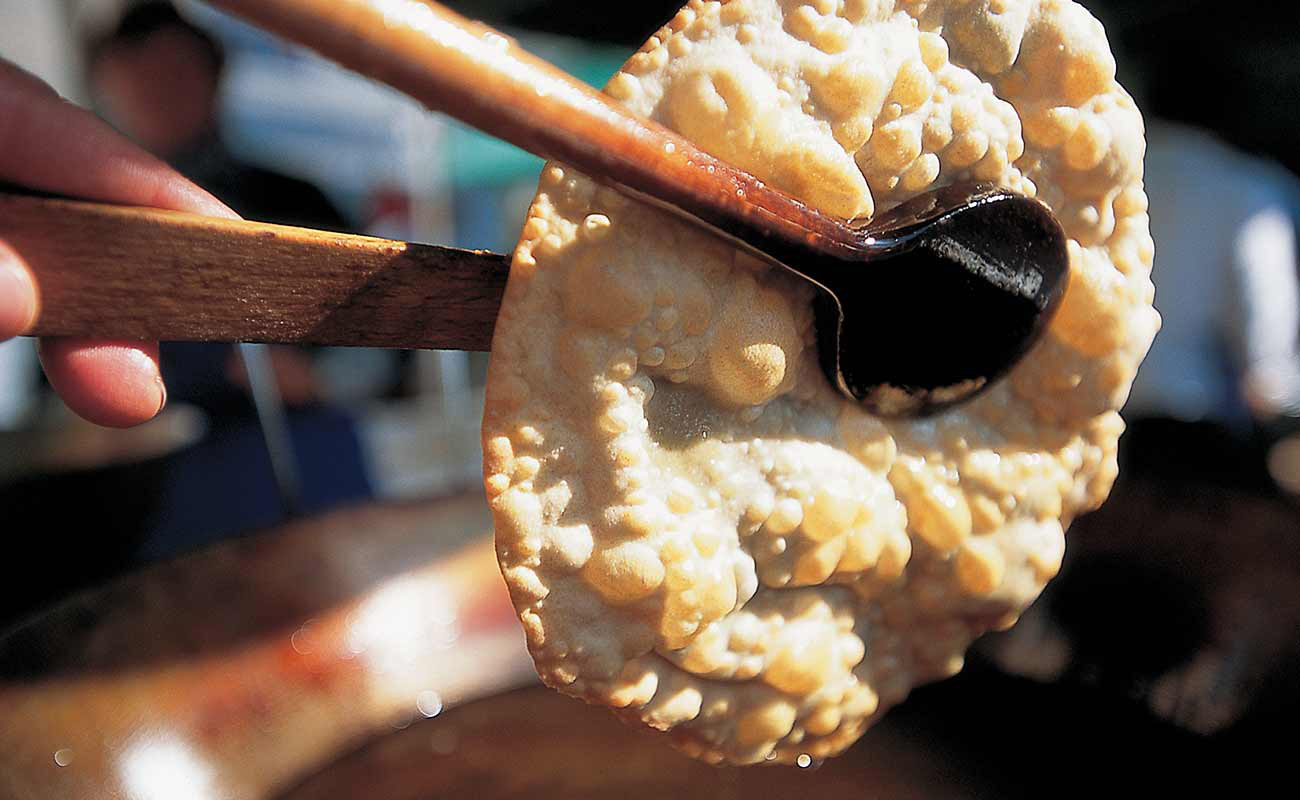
[224, 485]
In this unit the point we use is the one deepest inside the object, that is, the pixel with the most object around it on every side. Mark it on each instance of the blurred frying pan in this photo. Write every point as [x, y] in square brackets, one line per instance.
[233, 672]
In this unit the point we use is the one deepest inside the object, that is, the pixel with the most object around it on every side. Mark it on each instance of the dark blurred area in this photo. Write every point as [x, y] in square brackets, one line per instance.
[1165, 655]
[1232, 68]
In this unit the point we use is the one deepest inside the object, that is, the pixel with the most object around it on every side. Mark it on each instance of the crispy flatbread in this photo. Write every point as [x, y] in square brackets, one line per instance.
[696, 529]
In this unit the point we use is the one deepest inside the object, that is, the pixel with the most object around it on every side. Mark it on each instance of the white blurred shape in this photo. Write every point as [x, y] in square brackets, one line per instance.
[1284, 464]
[1225, 274]
[37, 37]
[17, 381]
[397, 626]
[164, 767]
[428, 703]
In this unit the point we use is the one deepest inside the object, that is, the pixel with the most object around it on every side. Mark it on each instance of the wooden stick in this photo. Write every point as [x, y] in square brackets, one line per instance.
[141, 274]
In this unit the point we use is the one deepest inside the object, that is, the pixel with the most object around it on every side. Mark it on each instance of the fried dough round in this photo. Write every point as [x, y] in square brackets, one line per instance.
[695, 527]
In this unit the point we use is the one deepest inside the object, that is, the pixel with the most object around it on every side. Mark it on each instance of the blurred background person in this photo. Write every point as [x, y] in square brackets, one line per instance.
[157, 77]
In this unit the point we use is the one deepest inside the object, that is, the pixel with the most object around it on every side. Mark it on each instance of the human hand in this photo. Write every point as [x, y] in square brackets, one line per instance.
[51, 145]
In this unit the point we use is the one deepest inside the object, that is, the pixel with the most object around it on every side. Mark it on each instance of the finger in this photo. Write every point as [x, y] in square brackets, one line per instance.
[115, 384]
[50, 144]
[17, 295]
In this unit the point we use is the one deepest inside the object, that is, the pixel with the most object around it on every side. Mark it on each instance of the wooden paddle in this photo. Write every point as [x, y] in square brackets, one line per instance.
[222, 280]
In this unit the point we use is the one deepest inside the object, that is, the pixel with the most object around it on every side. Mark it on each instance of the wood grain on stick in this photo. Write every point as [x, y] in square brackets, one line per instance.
[130, 273]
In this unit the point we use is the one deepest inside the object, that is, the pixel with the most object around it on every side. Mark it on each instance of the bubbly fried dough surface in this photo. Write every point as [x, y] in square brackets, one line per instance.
[695, 527]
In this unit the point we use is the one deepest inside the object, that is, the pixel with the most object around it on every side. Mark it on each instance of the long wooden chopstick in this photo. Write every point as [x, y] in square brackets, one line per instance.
[140, 274]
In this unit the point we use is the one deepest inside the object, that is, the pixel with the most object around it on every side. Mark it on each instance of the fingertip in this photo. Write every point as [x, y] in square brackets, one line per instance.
[114, 384]
[17, 295]
[198, 201]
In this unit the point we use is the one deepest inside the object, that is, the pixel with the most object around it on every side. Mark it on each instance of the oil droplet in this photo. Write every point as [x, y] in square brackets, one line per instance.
[710, 169]
[740, 193]
[670, 148]
[63, 756]
[804, 761]
[301, 640]
[429, 703]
